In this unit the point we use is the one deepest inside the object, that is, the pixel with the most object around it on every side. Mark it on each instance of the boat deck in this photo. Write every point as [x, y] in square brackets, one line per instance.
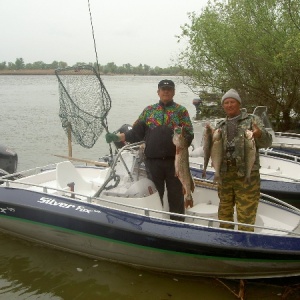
[88, 180]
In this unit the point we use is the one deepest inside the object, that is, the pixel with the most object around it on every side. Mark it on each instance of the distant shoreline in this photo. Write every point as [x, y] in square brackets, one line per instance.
[52, 72]
[27, 72]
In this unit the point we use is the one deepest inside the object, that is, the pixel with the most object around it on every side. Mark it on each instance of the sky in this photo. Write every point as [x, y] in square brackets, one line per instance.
[126, 31]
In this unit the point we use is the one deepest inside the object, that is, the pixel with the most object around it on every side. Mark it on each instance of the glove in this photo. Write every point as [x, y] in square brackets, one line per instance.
[111, 137]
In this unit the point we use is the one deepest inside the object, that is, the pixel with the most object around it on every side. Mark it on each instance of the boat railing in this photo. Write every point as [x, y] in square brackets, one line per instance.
[275, 175]
[132, 146]
[279, 202]
[149, 212]
[119, 159]
[285, 146]
[28, 172]
[294, 180]
[287, 134]
[272, 153]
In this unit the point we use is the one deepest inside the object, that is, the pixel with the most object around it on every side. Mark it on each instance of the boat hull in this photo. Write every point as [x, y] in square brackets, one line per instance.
[145, 242]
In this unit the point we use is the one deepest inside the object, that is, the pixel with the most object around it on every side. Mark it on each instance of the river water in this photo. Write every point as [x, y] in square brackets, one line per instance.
[30, 125]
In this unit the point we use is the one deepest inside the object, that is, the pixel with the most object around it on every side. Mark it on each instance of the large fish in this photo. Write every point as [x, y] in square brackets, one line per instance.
[207, 145]
[182, 168]
[250, 153]
[217, 154]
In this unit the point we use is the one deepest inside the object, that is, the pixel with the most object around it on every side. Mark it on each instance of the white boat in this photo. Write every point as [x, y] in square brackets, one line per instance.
[115, 213]
[286, 142]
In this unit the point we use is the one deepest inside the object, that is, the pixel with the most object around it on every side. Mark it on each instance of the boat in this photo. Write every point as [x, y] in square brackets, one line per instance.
[8, 160]
[112, 211]
[283, 142]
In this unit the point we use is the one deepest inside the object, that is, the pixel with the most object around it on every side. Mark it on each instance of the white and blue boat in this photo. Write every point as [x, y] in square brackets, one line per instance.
[115, 213]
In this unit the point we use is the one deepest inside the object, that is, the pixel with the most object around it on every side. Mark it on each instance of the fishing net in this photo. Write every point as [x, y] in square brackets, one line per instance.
[83, 104]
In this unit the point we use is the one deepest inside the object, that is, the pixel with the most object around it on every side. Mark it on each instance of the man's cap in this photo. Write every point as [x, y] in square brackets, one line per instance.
[231, 94]
[166, 83]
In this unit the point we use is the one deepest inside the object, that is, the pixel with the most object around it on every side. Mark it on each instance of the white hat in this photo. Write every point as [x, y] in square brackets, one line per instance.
[231, 94]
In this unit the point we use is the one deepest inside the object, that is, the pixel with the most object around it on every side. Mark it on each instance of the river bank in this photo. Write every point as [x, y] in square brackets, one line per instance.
[52, 72]
[27, 72]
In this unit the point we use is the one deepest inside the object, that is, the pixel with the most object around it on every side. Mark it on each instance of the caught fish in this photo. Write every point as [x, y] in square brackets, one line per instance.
[207, 145]
[182, 168]
[217, 154]
[250, 153]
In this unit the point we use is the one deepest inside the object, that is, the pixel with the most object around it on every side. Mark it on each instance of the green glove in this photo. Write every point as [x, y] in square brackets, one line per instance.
[111, 137]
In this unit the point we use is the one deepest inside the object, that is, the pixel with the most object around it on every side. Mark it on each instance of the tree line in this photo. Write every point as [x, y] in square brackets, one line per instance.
[251, 46]
[109, 68]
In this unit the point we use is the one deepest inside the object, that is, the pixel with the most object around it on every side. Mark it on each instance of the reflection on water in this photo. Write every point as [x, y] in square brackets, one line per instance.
[30, 271]
[30, 125]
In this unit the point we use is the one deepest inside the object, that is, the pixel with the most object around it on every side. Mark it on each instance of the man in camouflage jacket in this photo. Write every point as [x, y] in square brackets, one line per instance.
[234, 190]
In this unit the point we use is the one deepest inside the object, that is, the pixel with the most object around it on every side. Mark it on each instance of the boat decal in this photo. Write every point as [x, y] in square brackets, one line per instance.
[53, 202]
[3, 210]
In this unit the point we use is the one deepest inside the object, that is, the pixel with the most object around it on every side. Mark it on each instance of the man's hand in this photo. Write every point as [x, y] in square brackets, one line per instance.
[111, 137]
[256, 131]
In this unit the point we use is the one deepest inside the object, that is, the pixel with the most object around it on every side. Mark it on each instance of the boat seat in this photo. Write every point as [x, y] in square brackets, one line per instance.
[270, 222]
[205, 210]
[66, 173]
[101, 178]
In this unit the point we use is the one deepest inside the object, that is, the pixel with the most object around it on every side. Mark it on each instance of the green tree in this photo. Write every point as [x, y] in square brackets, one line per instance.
[128, 68]
[3, 65]
[111, 67]
[252, 46]
[19, 64]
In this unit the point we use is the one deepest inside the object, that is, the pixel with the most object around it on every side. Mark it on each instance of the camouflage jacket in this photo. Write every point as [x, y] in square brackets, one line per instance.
[244, 123]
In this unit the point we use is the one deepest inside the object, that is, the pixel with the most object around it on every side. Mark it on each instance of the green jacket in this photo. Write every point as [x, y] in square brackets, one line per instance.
[244, 123]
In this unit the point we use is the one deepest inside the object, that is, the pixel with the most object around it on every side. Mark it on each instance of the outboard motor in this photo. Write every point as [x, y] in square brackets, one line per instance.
[8, 161]
[197, 102]
[123, 129]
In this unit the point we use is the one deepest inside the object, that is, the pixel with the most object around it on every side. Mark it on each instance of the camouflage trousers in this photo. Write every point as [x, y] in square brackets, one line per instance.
[244, 196]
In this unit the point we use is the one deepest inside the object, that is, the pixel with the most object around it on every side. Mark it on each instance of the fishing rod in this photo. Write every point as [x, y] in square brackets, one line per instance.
[104, 119]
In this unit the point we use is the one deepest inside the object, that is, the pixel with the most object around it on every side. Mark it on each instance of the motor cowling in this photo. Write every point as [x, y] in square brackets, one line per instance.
[123, 129]
[8, 160]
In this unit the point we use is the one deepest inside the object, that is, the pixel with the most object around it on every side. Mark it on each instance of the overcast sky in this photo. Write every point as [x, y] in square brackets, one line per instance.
[126, 31]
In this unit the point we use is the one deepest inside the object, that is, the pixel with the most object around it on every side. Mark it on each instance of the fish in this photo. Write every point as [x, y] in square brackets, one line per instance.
[182, 167]
[207, 145]
[217, 154]
[250, 154]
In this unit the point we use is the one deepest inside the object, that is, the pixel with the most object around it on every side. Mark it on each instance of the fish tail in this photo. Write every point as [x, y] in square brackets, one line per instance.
[247, 180]
[217, 179]
[188, 201]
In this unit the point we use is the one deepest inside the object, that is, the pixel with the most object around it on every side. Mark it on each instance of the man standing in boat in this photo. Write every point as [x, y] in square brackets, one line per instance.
[155, 126]
[239, 183]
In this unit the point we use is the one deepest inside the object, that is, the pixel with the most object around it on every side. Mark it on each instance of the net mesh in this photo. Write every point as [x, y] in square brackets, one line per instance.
[83, 103]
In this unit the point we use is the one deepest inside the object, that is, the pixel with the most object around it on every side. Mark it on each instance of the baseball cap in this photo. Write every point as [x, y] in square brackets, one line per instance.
[166, 83]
